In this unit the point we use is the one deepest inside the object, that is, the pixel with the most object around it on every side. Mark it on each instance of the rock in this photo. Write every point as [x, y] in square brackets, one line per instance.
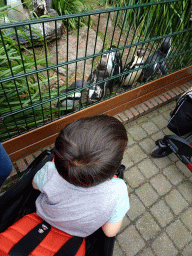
[37, 31]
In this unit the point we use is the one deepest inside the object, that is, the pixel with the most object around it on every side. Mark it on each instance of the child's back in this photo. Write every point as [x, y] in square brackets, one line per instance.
[79, 194]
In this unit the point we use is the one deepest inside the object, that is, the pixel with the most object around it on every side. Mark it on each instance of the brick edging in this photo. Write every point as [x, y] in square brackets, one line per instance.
[149, 105]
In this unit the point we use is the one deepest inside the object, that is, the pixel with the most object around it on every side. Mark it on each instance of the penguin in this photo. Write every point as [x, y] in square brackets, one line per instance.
[71, 102]
[110, 65]
[114, 67]
[136, 62]
[159, 55]
[41, 7]
[96, 92]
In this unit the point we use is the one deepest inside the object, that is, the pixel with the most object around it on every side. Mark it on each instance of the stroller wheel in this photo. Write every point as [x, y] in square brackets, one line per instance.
[158, 152]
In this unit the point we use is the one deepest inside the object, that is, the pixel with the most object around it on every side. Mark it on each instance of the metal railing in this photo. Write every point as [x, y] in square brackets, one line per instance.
[37, 72]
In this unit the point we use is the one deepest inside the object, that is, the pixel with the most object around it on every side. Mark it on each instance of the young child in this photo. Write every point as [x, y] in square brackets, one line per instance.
[78, 191]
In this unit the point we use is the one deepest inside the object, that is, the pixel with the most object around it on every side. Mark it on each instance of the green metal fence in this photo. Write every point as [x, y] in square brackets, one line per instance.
[38, 69]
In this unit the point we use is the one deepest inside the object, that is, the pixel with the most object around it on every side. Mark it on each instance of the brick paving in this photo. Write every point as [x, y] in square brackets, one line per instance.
[160, 190]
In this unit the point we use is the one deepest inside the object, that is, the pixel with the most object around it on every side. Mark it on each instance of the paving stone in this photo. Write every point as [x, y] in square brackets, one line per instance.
[172, 105]
[167, 115]
[148, 168]
[173, 174]
[161, 162]
[147, 226]
[176, 201]
[117, 250]
[147, 194]
[37, 153]
[179, 234]
[134, 177]
[130, 190]
[13, 172]
[153, 114]
[164, 109]
[157, 136]
[130, 241]
[135, 154]
[160, 121]
[130, 141]
[161, 184]
[21, 165]
[147, 145]
[173, 157]
[137, 133]
[186, 217]
[150, 127]
[29, 159]
[146, 252]
[188, 250]
[162, 213]
[163, 246]
[125, 223]
[126, 160]
[183, 169]
[186, 190]
[136, 207]
[142, 119]
[166, 131]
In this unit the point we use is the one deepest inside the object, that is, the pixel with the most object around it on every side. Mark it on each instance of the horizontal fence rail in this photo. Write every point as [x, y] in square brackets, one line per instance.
[50, 70]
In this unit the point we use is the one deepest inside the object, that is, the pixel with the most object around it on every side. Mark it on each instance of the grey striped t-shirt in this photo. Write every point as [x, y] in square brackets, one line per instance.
[76, 210]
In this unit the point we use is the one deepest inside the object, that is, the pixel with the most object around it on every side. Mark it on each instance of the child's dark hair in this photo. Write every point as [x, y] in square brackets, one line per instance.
[89, 150]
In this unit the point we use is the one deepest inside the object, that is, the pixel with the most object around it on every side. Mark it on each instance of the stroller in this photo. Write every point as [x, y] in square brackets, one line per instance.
[20, 199]
[180, 123]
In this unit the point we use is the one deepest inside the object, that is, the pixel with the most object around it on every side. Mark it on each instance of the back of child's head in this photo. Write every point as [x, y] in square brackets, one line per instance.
[89, 150]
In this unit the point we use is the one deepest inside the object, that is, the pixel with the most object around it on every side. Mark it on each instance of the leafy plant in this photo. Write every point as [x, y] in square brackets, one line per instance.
[23, 92]
[65, 7]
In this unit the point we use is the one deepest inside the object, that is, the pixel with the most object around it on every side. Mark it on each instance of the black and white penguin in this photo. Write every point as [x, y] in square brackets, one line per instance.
[71, 102]
[110, 65]
[136, 62]
[159, 55]
[41, 7]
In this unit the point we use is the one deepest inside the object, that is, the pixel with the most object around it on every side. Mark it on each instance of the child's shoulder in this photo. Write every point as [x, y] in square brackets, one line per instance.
[118, 181]
[120, 184]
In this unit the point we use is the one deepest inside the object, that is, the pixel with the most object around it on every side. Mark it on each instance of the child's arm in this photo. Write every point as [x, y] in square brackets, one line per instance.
[111, 229]
[34, 186]
[41, 177]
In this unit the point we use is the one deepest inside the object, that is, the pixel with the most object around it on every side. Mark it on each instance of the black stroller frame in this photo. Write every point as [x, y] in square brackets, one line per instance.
[181, 124]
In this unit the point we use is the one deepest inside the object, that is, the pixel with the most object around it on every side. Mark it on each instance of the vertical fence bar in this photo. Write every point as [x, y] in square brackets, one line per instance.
[57, 61]
[24, 70]
[31, 36]
[45, 45]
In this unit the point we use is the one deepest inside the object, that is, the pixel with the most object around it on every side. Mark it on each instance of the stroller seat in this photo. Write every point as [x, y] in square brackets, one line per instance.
[19, 201]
